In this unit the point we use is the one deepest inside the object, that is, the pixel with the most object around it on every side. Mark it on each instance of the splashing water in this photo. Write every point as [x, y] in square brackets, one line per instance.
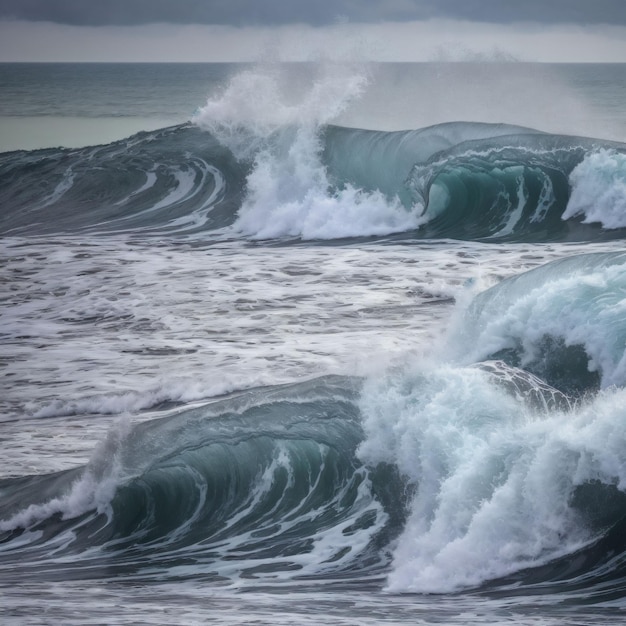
[266, 120]
[599, 189]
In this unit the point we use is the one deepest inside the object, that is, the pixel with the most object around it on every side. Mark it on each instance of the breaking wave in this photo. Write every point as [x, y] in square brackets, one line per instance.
[466, 181]
[490, 466]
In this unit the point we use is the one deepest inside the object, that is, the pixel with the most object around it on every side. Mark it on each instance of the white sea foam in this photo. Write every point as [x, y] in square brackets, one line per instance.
[188, 181]
[515, 212]
[286, 199]
[260, 118]
[599, 189]
[579, 303]
[494, 478]
[495, 470]
[64, 185]
[104, 327]
[92, 491]
[172, 389]
[332, 545]
[151, 179]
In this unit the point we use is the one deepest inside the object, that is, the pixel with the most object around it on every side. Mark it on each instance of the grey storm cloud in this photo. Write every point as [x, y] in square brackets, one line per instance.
[313, 12]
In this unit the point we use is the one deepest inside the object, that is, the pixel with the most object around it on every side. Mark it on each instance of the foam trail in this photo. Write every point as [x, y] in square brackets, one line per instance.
[93, 490]
[288, 189]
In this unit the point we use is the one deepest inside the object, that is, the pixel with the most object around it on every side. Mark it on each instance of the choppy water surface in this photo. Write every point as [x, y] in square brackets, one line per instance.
[262, 365]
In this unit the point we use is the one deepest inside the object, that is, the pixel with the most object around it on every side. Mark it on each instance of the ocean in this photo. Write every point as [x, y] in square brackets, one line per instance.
[293, 343]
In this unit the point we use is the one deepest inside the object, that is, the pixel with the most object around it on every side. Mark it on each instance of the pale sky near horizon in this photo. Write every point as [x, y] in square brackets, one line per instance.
[371, 30]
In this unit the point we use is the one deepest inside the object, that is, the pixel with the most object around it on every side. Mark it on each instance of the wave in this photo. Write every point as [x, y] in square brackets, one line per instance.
[464, 181]
[163, 183]
[523, 188]
[427, 479]
[264, 486]
[563, 321]
[493, 465]
[432, 477]
[517, 463]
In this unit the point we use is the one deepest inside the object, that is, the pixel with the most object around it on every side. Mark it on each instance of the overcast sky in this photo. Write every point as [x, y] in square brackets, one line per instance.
[237, 30]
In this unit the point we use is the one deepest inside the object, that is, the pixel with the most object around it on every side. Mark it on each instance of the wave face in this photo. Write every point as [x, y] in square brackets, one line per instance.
[316, 181]
[264, 486]
[523, 188]
[164, 183]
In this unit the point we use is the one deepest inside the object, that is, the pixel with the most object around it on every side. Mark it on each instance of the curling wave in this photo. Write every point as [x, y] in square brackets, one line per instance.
[432, 477]
[162, 183]
[262, 487]
[458, 180]
[563, 321]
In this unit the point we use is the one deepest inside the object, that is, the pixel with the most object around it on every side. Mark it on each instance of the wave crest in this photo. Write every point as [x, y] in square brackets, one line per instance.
[310, 180]
[564, 321]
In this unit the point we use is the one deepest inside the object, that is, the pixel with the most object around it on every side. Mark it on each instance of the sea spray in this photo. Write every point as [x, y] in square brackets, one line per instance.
[289, 192]
[500, 483]
[599, 189]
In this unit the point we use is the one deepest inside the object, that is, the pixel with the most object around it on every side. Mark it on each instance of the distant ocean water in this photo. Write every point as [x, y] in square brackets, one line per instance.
[305, 342]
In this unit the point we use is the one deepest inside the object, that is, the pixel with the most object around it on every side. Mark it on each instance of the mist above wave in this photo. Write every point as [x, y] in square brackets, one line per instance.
[270, 162]
[288, 188]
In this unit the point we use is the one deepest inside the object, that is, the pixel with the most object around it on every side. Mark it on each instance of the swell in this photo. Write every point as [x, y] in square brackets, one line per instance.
[458, 180]
[168, 182]
[264, 487]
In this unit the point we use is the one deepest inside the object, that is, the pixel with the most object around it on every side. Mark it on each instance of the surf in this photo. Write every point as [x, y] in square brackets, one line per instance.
[474, 182]
[466, 468]
[261, 487]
